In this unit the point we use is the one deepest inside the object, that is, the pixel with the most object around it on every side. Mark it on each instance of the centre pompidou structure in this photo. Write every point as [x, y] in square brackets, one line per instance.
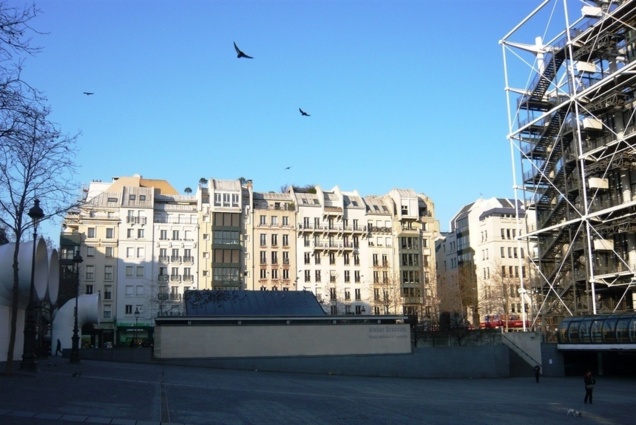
[570, 80]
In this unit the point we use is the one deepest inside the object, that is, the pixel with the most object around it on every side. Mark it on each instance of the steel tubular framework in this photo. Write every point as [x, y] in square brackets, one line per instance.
[572, 131]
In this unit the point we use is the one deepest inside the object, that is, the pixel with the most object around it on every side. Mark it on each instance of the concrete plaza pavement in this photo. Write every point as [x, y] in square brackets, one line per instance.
[144, 394]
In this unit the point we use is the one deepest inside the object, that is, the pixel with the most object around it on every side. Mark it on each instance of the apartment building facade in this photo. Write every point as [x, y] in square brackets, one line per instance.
[484, 264]
[358, 255]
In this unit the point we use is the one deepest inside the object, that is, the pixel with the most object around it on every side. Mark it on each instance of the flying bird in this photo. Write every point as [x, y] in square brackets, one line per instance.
[287, 168]
[303, 113]
[240, 54]
[89, 93]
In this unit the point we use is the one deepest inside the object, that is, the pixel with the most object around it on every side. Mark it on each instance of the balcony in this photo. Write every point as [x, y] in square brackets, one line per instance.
[188, 259]
[175, 278]
[164, 259]
[162, 278]
[175, 259]
[175, 297]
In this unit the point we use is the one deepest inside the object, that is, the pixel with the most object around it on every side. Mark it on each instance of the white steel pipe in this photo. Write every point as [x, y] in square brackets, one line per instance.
[88, 311]
[25, 257]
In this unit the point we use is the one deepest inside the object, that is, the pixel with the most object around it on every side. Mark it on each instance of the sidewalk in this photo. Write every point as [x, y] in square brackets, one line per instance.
[141, 394]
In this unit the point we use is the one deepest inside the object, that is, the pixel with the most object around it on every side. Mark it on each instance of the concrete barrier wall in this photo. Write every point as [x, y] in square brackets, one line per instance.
[440, 362]
[244, 341]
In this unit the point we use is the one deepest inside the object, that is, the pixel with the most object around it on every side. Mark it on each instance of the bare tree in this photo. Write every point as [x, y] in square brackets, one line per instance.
[36, 159]
[386, 292]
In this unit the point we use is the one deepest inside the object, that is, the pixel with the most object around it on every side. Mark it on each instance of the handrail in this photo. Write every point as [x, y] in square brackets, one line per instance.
[520, 351]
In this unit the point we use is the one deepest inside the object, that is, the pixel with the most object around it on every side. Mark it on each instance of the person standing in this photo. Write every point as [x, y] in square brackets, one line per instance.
[589, 386]
[537, 372]
[58, 349]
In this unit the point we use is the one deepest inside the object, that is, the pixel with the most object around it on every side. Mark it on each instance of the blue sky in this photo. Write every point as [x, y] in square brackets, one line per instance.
[402, 94]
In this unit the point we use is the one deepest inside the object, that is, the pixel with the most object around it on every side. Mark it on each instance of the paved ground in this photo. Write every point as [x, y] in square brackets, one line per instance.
[140, 394]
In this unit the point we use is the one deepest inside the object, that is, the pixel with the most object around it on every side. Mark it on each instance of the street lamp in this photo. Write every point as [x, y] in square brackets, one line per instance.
[29, 359]
[136, 323]
[75, 355]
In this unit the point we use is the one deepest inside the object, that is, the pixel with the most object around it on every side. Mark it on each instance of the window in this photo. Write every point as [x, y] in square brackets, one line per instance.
[358, 294]
[285, 240]
[274, 257]
[356, 276]
[91, 232]
[129, 271]
[307, 258]
[130, 291]
[141, 252]
[263, 237]
[285, 274]
[263, 274]
[332, 258]
[128, 309]
[108, 292]
[142, 197]
[132, 197]
[110, 233]
[307, 275]
[90, 251]
[347, 276]
[347, 294]
[130, 233]
[263, 220]
[285, 221]
[285, 257]
[274, 274]
[109, 252]
[90, 272]
[108, 273]
[375, 259]
[175, 235]
[107, 312]
[89, 289]
[274, 240]
[346, 258]
[317, 275]
[317, 258]
[332, 294]
[140, 271]
[263, 257]
[163, 235]
[274, 220]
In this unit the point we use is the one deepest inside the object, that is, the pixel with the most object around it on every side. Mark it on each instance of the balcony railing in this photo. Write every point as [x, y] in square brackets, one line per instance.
[136, 220]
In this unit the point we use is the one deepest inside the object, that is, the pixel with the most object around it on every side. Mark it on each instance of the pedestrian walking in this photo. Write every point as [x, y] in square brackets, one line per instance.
[537, 373]
[59, 347]
[589, 381]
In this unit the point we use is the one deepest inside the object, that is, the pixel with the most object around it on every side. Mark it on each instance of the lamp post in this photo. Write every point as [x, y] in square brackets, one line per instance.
[29, 359]
[136, 323]
[75, 355]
